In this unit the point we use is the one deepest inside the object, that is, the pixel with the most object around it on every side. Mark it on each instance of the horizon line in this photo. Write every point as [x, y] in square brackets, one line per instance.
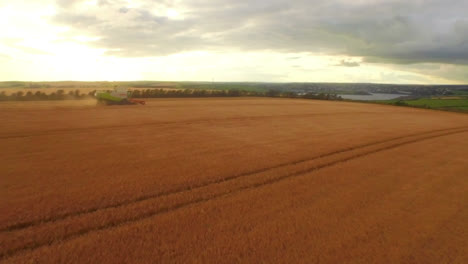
[253, 82]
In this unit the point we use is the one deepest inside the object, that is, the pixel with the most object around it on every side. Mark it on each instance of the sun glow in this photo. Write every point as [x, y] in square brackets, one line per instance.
[172, 13]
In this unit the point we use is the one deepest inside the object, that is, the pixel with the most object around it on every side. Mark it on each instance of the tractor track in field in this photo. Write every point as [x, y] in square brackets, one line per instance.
[54, 132]
[205, 197]
[27, 224]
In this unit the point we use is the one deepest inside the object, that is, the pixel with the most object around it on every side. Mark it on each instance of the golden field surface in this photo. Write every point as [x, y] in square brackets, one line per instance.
[243, 180]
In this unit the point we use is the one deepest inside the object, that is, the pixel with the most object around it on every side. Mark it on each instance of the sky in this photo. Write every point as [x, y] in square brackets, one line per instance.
[365, 41]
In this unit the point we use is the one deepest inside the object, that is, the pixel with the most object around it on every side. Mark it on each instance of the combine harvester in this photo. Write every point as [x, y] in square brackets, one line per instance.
[119, 96]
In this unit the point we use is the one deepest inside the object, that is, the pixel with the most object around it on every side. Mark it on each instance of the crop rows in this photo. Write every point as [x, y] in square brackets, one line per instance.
[31, 235]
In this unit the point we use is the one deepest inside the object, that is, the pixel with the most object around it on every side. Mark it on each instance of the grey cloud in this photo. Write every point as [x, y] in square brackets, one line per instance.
[450, 72]
[456, 73]
[123, 10]
[348, 63]
[402, 78]
[16, 43]
[4, 56]
[388, 31]
[32, 50]
[71, 3]
[67, 3]
[76, 20]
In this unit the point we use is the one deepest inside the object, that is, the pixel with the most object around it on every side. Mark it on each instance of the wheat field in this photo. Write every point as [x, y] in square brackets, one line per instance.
[232, 180]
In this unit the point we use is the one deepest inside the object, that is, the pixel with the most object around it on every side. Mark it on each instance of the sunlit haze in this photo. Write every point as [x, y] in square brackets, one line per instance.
[388, 41]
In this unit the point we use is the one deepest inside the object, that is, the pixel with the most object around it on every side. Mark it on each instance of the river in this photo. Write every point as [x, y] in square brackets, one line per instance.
[372, 96]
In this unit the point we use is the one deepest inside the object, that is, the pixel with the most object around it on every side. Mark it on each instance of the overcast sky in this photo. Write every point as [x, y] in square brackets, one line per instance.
[382, 41]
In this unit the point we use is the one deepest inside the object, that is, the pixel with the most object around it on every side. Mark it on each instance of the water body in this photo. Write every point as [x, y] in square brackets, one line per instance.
[372, 96]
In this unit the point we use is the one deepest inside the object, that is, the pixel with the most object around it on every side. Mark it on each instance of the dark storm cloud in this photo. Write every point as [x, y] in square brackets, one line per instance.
[390, 31]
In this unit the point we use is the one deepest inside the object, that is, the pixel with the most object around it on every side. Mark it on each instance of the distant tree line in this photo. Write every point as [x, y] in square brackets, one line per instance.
[163, 93]
[41, 96]
[322, 96]
[171, 93]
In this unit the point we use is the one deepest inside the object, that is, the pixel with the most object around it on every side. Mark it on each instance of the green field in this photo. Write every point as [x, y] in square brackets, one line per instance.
[460, 104]
[460, 92]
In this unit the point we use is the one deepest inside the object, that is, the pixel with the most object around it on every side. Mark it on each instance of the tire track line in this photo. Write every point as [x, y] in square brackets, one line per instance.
[27, 224]
[199, 200]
